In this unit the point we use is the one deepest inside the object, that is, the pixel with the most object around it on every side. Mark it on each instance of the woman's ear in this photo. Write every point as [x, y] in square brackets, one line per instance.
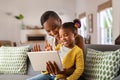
[60, 21]
[75, 33]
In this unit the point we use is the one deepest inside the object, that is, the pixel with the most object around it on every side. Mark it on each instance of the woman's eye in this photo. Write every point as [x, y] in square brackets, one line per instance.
[54, 27]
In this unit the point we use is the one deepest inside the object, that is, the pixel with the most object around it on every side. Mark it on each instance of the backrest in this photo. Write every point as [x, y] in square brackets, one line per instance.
[101, 47]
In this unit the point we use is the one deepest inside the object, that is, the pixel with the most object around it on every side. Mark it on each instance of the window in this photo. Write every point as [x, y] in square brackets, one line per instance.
[83, 30]
[105, 24]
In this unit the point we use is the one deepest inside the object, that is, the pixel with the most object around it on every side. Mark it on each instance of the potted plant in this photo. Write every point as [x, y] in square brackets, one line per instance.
[20, 17]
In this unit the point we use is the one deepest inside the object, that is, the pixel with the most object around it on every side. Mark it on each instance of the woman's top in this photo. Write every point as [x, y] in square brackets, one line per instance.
[51, 41]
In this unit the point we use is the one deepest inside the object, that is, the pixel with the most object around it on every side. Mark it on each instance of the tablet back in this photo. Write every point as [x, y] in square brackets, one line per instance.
[39, 59]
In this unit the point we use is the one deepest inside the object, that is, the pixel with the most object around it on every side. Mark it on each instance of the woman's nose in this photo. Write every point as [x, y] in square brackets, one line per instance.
[52, 33]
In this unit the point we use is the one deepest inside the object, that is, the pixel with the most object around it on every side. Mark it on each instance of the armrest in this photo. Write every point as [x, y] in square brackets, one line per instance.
[117, 78]
[5, 43]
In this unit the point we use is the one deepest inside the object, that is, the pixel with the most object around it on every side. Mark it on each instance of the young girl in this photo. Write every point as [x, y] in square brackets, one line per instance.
[70, 54]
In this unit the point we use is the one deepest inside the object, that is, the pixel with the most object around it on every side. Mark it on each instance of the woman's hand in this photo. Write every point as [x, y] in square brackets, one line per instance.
[47, 46]
[36, 48]
[52, 68]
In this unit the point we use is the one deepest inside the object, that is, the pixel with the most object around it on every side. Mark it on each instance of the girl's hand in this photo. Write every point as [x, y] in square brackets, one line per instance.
[52, 68]
[36, 48]
[62, 79]
[47, 46]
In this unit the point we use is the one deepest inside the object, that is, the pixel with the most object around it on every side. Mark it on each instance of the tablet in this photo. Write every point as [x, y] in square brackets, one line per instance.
[39, 59]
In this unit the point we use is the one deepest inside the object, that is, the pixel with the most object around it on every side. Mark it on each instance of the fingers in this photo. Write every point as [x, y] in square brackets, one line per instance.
[57, 70]
[50, 47]
[46, 43]
[47, 68]
[50, 67]
[47, 46]
[35, 48]
[38, 47]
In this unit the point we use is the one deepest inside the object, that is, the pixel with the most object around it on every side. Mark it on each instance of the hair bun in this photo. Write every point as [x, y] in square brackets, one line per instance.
[77, 23]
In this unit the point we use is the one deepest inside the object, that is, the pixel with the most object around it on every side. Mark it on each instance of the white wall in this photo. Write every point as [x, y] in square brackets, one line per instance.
[32, 10]
[116, 19]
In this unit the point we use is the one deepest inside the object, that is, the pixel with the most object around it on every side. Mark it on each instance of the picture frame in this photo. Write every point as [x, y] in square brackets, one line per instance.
[90, 23]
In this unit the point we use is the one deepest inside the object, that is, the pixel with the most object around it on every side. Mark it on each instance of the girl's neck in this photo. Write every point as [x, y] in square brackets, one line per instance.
[71, 46]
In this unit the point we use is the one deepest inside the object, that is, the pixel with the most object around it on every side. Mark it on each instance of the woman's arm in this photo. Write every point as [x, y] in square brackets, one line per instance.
[79, 41]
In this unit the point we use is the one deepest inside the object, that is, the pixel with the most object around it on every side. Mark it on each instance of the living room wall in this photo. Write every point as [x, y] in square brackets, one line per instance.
[32, 10]
[90, 6]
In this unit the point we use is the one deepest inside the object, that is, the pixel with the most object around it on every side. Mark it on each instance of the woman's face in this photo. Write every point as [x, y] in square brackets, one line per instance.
[52, 26]
[67, 37]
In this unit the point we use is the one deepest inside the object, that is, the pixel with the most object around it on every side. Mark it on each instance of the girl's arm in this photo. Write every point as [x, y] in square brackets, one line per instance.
[79, 63]
[53, 69]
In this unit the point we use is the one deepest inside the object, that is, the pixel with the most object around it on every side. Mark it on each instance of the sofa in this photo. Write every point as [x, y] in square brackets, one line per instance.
[31, 72]
[102, 48]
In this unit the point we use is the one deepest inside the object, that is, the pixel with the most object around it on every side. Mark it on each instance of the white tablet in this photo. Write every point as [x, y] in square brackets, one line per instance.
[39, 59]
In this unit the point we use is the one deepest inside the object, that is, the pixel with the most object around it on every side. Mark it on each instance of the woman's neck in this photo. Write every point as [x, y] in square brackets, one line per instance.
[57, 41]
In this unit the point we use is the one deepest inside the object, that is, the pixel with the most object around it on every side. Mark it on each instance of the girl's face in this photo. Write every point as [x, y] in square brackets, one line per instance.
[52, 26]
[67, 37]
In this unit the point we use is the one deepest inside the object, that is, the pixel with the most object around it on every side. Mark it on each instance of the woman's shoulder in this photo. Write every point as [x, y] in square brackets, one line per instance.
[79, 41]
[79, 37]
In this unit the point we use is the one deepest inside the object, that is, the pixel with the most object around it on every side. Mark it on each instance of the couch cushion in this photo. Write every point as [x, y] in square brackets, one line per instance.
[30, 71]
[14, 77]
[13, 60]
[102, 65]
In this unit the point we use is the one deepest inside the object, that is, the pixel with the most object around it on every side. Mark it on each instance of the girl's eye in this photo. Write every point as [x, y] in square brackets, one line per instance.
[66, 35]
[48, 31]
[60, 36]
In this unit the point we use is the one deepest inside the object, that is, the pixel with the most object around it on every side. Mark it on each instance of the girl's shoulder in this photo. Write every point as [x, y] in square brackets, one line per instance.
[58, 47]
[77, 48]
